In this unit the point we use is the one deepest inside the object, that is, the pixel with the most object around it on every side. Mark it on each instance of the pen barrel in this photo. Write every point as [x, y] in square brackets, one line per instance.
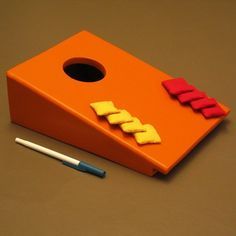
[47, 151]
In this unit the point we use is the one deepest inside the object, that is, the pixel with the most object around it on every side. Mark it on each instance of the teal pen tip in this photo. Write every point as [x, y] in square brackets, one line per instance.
[85, 167]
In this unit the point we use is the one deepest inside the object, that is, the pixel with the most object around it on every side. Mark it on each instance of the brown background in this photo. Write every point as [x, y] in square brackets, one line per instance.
[193, 39]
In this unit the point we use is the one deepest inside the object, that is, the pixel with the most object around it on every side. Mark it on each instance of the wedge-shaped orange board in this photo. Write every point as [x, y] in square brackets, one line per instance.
[44, 98]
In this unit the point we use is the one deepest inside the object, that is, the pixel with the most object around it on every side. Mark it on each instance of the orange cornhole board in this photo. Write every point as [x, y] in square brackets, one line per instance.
[44, 98]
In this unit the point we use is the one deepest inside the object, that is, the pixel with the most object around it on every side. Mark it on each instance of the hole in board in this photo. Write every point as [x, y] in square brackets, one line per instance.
[84, 69]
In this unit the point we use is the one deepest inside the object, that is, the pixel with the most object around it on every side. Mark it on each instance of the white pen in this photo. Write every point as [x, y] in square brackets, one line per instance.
[66, 160]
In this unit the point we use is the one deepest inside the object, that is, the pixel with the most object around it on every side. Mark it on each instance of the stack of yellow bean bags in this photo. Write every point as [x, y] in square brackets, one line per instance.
[143, 133]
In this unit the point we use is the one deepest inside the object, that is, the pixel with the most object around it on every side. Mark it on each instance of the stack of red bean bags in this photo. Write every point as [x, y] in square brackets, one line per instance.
[188, 94]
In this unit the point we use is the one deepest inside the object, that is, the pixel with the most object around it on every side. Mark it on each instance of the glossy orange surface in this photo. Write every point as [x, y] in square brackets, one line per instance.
[42, 97]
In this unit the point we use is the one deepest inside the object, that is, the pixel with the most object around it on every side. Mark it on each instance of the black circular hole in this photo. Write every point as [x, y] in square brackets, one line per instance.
[84, 69]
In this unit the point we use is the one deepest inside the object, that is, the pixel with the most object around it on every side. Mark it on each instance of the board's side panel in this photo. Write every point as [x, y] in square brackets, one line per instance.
[33, 111]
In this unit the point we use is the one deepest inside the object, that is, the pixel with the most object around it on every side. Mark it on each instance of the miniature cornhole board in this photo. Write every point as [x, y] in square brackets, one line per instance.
[44, 98]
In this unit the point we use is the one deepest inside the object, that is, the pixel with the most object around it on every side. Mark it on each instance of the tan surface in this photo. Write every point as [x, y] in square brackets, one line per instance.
[39, 196]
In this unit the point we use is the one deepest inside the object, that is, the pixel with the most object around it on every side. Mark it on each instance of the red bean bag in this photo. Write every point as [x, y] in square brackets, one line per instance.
[203, 103]
[190, 96]
[177, 86]
[215, 111]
